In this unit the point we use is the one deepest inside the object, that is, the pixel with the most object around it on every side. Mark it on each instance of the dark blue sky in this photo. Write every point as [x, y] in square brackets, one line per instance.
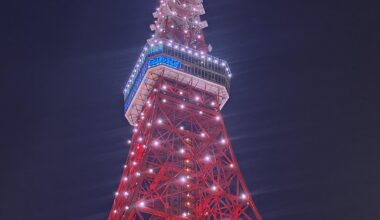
[303, 117]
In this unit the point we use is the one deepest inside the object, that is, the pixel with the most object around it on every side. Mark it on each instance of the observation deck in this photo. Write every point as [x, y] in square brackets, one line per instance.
[174, 61]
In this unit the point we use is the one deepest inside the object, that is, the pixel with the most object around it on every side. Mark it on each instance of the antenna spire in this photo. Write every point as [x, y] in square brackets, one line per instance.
[179, 21]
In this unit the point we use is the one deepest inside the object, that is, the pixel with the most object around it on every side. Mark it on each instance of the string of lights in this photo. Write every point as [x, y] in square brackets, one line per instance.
[180, 164]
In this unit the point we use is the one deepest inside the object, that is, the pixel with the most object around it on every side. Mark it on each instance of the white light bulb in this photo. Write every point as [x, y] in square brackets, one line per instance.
[156, 143]
[183, 179]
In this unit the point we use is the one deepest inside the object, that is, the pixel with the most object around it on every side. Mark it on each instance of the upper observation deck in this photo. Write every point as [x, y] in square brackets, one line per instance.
[174, 61]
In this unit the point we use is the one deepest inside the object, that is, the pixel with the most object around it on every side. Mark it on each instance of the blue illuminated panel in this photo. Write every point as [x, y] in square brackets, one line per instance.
[148, 52]
[135, 87]
[153, 62]
[167, 61]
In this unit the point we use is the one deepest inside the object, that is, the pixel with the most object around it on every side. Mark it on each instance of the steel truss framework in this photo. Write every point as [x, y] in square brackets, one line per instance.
[180, 164]
[179, 20]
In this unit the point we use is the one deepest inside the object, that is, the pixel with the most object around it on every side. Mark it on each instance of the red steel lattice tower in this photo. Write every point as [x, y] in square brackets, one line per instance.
[180, 164]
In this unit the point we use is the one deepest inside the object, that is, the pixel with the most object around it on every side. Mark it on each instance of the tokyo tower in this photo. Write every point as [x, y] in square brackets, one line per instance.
[180, 163]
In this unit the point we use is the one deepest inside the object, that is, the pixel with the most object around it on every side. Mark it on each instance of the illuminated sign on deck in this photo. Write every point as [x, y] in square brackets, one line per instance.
[167, 61]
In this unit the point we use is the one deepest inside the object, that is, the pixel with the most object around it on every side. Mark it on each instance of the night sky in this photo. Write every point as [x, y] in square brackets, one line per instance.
[303, 115]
